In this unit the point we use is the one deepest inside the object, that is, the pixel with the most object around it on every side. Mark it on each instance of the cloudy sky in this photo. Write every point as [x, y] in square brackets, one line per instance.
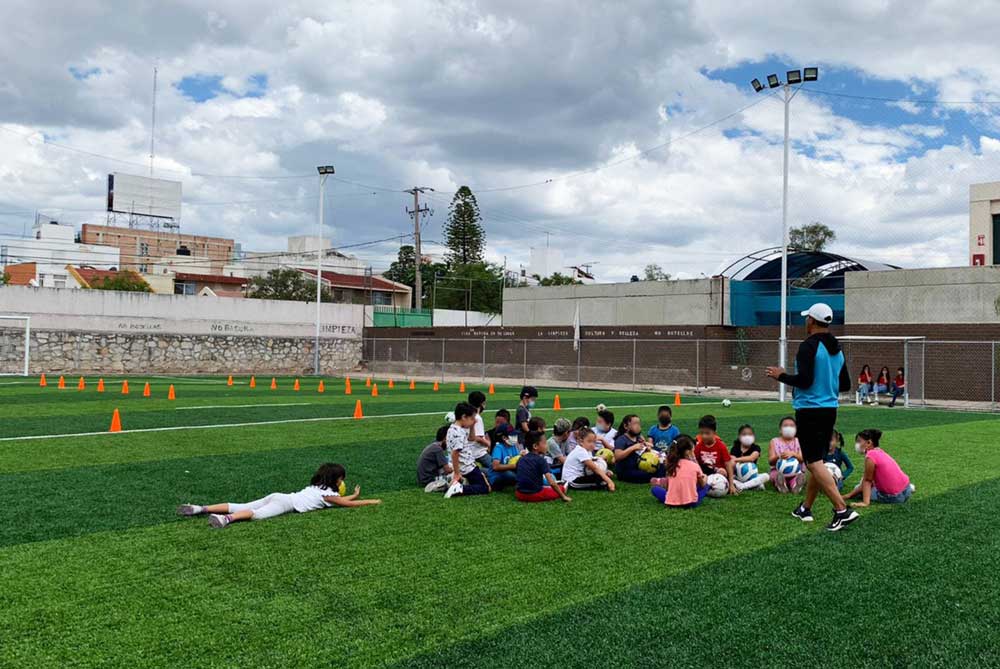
[627, 131]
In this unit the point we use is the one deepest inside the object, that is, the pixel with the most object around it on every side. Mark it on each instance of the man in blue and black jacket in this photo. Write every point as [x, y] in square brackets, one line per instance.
[820, 376]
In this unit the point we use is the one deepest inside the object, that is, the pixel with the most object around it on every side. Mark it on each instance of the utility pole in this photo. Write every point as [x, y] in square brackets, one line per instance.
[416, 213]
[324, 172]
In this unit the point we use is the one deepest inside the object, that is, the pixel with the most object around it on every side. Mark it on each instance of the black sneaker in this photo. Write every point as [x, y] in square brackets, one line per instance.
[842, 519]
[803, 514]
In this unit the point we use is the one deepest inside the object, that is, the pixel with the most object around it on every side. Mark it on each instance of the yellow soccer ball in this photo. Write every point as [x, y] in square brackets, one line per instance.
[649, 462]
[342, 489]
[607, 455]
[513, 460]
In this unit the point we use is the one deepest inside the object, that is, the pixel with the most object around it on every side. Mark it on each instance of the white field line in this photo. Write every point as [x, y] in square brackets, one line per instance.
[243, 406]
[321, 419]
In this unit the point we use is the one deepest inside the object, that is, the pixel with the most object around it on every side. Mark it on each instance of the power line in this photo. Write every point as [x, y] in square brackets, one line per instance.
[875, 98]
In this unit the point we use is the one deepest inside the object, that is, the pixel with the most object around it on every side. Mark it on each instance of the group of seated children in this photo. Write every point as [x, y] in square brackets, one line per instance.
[465, 459]
[870, 387]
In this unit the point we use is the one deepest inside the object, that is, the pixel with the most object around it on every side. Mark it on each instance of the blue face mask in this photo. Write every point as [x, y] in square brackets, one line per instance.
[531, 404]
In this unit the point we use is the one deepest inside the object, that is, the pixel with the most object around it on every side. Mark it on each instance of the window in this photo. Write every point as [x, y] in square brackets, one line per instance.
[339, 295]
[60, 280]
[184, 288]
[143, 249]
[381, 297]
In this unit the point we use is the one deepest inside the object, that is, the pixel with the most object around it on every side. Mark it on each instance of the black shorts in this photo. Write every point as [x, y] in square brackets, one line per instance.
[815, 428]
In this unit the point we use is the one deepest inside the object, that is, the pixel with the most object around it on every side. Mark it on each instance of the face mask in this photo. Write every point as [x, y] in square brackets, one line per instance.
[600, 430]
[859, 447]
[664, 422]
[531, 404]
[746, 440]
[788, 432]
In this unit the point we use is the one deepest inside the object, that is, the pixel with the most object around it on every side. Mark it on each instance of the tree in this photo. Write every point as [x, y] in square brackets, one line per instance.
[557, 279]
[812, 237]
[464, 234]
[4, 279]
[472, 287]
[403, 270]
[654, 272]
[286, 284]
[129, 282]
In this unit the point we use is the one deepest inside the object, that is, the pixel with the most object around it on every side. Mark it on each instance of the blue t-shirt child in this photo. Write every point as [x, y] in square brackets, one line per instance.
[502, 452]
[663, 436]
[531, 471]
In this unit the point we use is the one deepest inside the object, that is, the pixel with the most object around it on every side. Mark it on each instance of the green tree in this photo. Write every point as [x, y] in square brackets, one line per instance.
[557, 279]
[403, 270]
[654, 272]
[464, 234]
[812, 237]
[4, 279]
[286, 284]
[472, 287]
[129, 282]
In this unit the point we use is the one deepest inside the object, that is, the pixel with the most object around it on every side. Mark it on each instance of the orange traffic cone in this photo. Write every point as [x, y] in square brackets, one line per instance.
[392, 384]
[116, 422]
[100, 385]
[125, 387]
[274, 383]
[435, 386]
[81, 385]
[321, 388]
[347, 386]
[492, 391]
[413, 385]
[677, 399]
[374, 390]
[357, 410]
[145, 390]
[42, 382]
[62, 383]
[253, 382]
[368, 382]
[296, 385]
[170, 393]
[556, 405]
[229, 381]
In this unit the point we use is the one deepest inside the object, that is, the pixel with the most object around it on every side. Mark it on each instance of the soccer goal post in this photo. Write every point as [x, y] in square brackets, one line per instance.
[892, 352]
[15, 345]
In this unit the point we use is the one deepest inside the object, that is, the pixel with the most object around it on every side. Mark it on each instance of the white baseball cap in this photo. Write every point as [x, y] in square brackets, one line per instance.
[820, 312]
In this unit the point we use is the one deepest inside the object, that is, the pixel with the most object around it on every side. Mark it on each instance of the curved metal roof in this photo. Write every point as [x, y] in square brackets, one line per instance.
[829, 268]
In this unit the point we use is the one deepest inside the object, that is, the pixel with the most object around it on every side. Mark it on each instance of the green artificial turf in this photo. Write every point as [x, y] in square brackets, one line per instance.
[98, 571]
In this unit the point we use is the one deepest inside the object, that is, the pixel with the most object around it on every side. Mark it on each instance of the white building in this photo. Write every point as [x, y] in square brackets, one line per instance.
[301, 254]
[51, 247]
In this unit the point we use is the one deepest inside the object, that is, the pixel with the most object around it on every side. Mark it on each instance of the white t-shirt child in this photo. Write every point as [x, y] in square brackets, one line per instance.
[458, 440]
[311, 498]
[574, 468]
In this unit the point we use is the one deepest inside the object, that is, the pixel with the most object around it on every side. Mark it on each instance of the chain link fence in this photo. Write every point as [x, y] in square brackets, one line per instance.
[960, 374]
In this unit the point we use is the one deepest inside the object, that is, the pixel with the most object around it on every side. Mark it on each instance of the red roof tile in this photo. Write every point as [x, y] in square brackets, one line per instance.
[358, 281]
[211, 278]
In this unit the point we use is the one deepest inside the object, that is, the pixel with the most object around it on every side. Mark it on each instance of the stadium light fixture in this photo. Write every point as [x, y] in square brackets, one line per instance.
[773, 81]
[757, 86]
[324, 172]
[810, 74]
[325, 169]
[793, 77]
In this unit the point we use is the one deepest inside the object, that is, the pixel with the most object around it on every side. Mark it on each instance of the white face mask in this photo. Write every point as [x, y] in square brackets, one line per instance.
[788, 432]
[859, 447]
[746, 439]
[600, 430]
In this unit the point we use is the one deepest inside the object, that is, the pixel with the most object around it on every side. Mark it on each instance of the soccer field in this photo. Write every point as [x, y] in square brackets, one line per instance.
[97, 570]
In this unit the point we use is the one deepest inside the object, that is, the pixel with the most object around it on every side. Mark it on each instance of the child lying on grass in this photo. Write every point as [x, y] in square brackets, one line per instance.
[324, 491]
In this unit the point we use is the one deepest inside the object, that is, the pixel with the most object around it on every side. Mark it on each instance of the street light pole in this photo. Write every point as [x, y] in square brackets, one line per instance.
[324, 172]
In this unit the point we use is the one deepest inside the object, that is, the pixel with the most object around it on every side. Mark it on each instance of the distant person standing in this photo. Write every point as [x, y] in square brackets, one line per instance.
[820, 376]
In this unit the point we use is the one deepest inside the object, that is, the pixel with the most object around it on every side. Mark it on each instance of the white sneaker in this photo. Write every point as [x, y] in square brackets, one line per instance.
[440, 484]
[455, 489]
[217, 520]
[189, 510]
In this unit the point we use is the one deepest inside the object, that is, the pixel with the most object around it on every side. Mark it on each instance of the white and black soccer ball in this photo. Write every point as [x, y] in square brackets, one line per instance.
[835, 471]
[718, 486]
[449, 417]
[727, 403]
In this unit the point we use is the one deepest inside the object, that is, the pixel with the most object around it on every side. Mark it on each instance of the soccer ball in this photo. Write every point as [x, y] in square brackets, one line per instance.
[449, 417]
[342, 489]
[718, 486]
[727, 403]
[607, 455]
[601, 464]
[649, 462]
[745, 471]
[788, 467]
[513, 460]
[835, 471]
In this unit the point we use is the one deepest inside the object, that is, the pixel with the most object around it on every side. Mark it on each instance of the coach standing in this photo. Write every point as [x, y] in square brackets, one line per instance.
[820, 376]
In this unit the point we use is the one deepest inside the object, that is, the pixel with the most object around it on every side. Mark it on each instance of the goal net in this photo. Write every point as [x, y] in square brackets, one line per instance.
[15, 349]
[893, 353]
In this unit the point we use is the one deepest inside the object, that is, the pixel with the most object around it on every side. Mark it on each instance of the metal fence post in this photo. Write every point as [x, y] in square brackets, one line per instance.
[697, 365]
[524, 368]
[442, 360]
[633, 364]
[407, 349]
[993, 376]
[906, 365]
[484, 358]
[579, 345]
[374, 352]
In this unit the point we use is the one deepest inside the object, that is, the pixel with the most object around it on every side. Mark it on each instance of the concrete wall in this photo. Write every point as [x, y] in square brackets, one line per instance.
[917, 296]
[115, 332]
[685, 302]
[456, 318]
[984, 201]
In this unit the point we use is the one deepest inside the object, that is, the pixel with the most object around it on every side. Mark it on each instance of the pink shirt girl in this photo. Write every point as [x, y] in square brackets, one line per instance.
[683, 485]
[889, 478]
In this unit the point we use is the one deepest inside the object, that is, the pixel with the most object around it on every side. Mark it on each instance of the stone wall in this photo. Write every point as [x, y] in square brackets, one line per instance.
[77, 352]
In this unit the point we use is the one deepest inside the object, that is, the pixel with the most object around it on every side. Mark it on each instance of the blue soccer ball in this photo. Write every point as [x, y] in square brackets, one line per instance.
[745, 471]
[788, 467]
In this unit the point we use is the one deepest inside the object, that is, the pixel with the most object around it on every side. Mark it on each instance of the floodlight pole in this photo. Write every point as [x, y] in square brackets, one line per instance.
[324, 172]
[783, 336]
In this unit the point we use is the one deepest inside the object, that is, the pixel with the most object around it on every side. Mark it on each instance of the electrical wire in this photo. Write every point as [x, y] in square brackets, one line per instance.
[875, 98]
